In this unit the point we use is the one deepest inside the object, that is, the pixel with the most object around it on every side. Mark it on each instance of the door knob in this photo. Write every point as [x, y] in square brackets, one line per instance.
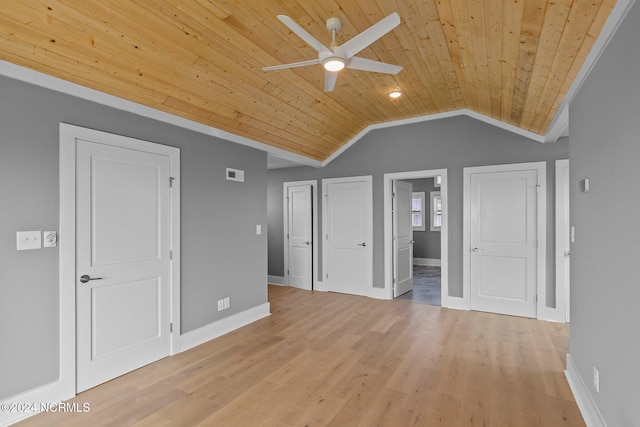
[362, 244]
[307, 243]
[85, 278]
[477, 250]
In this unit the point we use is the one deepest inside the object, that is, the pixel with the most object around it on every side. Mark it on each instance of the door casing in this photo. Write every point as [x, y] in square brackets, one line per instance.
[563, 243]
[67, 242]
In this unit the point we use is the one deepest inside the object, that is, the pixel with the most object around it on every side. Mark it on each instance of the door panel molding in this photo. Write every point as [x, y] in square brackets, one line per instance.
[542, 312]
[69, 135]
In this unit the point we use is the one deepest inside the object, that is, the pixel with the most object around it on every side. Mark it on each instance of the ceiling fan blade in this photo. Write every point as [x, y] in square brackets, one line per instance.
[357, 63]
[292, 65]
[371, 34]
[302, 33]
[330, 80]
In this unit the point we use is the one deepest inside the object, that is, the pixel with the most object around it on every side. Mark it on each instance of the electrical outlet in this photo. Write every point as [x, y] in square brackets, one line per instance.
[226, 303]
[220, 304]
[596, 379]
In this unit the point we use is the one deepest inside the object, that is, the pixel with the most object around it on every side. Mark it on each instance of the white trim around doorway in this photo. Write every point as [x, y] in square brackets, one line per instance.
[387, 292]
[562, 231]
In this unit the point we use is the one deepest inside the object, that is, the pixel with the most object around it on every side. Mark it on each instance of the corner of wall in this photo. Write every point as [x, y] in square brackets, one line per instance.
[587, 406]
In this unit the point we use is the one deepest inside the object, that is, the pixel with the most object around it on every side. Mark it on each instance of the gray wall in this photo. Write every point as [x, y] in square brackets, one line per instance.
[605, 290]
[221, 255]
[427, 242]
[451, 143]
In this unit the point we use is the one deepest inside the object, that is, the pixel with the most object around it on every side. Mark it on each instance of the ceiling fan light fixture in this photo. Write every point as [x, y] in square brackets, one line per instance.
[395, 94]
[334, 64]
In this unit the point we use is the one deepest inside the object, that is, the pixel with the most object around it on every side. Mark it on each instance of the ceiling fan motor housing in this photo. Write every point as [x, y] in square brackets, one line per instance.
[334, 24]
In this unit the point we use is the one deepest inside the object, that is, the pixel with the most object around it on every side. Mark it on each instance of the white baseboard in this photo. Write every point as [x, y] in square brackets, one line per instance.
[214, 330]
[54, 392]
[587, 406]
[456, 303]
[379, 293]
[427, 261]
[276, 280]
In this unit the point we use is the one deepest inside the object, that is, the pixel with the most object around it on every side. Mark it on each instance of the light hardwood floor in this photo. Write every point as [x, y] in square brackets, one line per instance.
[340, 360]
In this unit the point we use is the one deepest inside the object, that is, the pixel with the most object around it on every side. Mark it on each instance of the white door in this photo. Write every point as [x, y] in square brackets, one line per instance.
[123, 267]
[503, 233]
[402, 238]
[299, 234]
[347, 225]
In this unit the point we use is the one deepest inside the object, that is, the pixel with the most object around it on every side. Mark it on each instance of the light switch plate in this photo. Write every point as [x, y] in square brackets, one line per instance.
[258, 229]
[28, 240]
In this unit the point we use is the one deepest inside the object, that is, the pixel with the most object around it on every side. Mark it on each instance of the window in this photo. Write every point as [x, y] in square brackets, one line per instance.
[436, 211]
[417, 211]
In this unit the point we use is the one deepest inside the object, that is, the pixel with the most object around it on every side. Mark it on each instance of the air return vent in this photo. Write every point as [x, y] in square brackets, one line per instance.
[235, 175]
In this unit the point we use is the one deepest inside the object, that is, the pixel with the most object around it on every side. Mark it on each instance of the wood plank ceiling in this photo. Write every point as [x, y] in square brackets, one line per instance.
[511, 60]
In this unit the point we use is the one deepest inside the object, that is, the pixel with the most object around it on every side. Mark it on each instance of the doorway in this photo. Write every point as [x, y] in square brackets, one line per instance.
[442, 268]
[424, 221]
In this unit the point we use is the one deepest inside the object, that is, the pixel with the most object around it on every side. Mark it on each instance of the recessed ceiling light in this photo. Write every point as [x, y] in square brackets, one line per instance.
[395, 94]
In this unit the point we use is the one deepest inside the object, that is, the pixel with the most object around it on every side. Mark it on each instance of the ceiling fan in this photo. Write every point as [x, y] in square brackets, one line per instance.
[334, 58]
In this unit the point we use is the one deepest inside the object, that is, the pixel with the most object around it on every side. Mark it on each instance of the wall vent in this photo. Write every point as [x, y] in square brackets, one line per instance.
[235, 175]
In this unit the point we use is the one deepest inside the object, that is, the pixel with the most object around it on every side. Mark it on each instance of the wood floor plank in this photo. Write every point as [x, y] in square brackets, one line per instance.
[326, 359]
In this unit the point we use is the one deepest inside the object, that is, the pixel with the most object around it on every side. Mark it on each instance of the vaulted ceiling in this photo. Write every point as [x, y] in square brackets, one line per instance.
[510, 60]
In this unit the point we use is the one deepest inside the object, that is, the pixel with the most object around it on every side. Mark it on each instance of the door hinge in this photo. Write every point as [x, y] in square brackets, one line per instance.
[171, 327]
[170, 255]
[327, 237]
[287, 235]
[171, 181]
[288, 272]
[327, 275]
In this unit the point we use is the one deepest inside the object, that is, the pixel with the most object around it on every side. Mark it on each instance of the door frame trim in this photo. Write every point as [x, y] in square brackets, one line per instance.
[387, 292]
[562, 230]
[314, 228]
[542, 312]
[67, 242]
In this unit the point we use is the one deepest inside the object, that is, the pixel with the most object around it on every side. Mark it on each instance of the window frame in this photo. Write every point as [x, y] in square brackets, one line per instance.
[421, 196]
[432, 211]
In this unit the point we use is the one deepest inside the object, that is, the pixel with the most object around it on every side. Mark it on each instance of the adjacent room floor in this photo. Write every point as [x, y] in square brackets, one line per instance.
[426, 286]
